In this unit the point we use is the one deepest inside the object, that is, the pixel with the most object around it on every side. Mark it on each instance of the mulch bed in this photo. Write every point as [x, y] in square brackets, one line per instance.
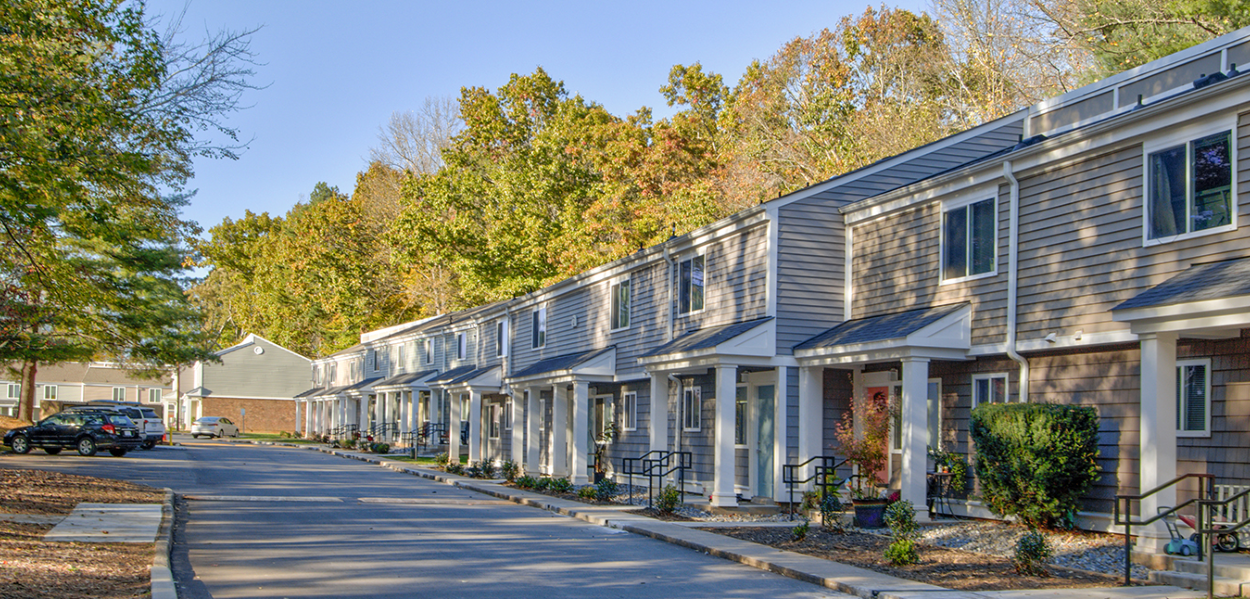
[31, 568]
[651, 512]
[949, 568]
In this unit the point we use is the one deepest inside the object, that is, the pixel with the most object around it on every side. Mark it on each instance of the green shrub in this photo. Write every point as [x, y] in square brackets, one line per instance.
[669, 500]
[487, 468]
[1035, 461]
[542, 484]
[442, 459]
[509, 470]
[586, 492]
[560, 485]
[830, 507]
[799, 532]
[380, 448]
[1032, 554]
[525, 482]
[474, 470]
[454, 468]
[605, 489]
[902, 552]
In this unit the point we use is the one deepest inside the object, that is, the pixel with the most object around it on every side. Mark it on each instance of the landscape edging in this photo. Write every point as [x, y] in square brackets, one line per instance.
[163, 585]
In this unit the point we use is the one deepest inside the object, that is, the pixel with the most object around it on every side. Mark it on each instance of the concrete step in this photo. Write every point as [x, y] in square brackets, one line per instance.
[1224, 587]
[1238, 570]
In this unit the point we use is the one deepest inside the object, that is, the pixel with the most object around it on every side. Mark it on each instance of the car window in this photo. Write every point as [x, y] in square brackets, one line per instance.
[91, 419]
[53, 420]
[121, 419]
[149, 413]
[226, 420]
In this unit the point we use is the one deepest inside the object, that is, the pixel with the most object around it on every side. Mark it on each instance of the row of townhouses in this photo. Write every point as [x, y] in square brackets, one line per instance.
[1085, 250]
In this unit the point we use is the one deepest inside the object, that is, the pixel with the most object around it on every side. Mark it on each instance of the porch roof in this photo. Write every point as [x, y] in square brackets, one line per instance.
[406, 378]
[1209, 300]
[309, 393]
[364, 384]
[561, 363]
[330, 391]
[453, 375]
[879, 328]
[705, 338]
[467, 376]
[935, 333]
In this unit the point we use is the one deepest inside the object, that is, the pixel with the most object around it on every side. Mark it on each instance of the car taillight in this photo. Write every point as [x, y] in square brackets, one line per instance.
[110, 429]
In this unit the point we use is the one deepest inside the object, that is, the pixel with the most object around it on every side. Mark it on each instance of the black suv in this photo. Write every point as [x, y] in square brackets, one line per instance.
[87, 431]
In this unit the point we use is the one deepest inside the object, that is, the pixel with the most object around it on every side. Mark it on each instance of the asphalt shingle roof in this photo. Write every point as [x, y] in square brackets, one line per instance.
[453, 375]
[404, 379]
[1199, 282]
[706, 337]
[362, 384]
[878, 328]
[309, 393]
[558, 363]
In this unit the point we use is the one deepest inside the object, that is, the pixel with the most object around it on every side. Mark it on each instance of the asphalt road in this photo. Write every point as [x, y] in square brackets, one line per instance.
[285, 523]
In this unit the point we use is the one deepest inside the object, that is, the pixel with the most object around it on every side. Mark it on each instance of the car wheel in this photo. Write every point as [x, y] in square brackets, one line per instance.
[221, 434]
[118, 452]
[148, 445]
[52, 450]
[21, 444]
[235, 435]
[86, 446]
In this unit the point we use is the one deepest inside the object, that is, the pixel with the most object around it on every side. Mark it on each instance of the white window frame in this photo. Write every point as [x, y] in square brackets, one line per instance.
[495, 422]
[509, 414]
[428, 347]
[691, 396]
[115, 393]
[680, 289]
[1180, 401]
[743, 404]
[1186, 136]
[15, 391]
[976, 400]
[615, 311]
[154, 395]
[501, 338]
[462, 345]
[538, 327]
[49, 396]
[966, 200]
[629, 411]
[400, 364]
[371, 360]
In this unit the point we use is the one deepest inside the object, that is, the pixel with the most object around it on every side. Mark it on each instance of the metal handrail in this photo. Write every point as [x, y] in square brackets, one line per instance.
[1127, 522]
[656, 469]
[1204, 534]
[828, 466]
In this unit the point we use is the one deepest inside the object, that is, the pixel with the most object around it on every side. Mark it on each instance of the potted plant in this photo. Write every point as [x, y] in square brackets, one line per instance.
[867, 450]
[601, 445]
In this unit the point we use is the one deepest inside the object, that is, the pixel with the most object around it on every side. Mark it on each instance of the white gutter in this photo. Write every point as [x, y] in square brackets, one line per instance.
[1013, 282]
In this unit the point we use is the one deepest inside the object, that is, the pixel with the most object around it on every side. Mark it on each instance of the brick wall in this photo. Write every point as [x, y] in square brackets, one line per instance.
[263, 415]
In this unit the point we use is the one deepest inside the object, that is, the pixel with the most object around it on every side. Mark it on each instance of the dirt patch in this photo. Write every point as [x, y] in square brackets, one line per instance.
[33, 568]
[949, 568]
[651, 512]
[8, 423]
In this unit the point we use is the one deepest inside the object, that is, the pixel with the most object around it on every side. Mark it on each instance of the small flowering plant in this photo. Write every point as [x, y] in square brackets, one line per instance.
[869, 448]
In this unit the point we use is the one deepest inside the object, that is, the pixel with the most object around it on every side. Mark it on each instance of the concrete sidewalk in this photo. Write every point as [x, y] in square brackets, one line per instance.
[832, 575]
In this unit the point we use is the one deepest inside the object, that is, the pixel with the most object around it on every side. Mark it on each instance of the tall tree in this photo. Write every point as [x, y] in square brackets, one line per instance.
[99, 117]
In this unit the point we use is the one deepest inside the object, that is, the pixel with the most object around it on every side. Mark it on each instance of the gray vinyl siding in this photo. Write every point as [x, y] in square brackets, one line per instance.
[897, 266]
[1081, 240]
[243, 373]
[736, 281]
[629, 444]
[791, 385]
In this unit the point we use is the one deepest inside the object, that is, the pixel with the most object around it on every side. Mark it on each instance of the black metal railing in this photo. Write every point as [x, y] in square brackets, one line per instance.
[1205, 535]
[824, 476]
[655, 466]
[1125, 517]
[343, 431]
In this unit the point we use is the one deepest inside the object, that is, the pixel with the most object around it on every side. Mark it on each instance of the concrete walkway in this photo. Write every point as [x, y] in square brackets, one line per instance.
[109, 523]
[831, 575]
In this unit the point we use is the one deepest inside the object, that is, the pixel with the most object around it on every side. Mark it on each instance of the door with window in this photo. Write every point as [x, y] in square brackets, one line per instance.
[766, 436]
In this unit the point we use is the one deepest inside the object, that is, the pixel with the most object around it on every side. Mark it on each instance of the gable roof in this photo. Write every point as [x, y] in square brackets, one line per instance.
[705, 338]
[879, 328]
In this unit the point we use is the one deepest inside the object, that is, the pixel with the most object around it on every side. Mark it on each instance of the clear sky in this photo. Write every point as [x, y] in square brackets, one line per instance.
[336, 70]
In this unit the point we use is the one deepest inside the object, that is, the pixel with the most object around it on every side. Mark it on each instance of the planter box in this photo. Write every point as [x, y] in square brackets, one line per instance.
[870, 513]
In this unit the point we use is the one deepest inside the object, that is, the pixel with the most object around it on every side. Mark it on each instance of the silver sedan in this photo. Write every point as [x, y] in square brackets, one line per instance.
[213, 426]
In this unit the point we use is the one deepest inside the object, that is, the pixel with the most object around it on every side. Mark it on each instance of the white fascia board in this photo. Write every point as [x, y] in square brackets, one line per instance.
[267, 398]
[1220, 326]
[883, 354]
[601, 368]
[256, 337]
[1213, 102]
[695, 365]
[947, 338]
[759, 342]
[774, 258]
[1214, 307]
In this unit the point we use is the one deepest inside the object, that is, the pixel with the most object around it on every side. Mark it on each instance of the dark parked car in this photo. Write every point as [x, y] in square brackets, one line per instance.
[83, 430]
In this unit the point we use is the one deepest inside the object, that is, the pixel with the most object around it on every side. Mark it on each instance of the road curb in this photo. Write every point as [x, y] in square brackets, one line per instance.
[163, 586]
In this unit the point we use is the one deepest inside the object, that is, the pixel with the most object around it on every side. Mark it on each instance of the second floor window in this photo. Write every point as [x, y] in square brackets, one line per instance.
[1190, 186]
[427, 348]
[462, 346]
[15, 391]
[620, 292]
[690, 283]
[538, 337]
[399, 358]
[501, 337]
[969, 240]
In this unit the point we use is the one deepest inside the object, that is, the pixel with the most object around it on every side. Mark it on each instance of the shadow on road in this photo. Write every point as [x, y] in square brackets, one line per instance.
[189, 587]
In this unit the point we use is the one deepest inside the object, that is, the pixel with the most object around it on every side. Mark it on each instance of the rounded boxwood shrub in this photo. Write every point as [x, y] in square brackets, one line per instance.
[1035, 461]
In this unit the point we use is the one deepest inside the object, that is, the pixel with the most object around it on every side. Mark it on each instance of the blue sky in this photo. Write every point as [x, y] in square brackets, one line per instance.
[335, 71]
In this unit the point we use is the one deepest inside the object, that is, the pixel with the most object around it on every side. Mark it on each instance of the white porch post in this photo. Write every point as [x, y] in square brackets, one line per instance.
[1158, 431]
[405, 414]
[581, 432]
[723, 494]
[659, 412]
[362, 414]
[518, 427]
[532, 454]
[453, 435]
[475, 425]
[914, 419]
[560, 431]
[781, 416]
[379, 403]
[308, 417]
[811, 417]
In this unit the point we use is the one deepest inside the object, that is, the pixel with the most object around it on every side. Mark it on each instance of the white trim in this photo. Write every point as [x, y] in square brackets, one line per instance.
[747, 418]
[991, 376]
[962, 201]
[539, 318]
[1184, 136]
[1205, 363]
[697, 392]
[629, 417]
[774, 248]
[689, 257]
[626, 279]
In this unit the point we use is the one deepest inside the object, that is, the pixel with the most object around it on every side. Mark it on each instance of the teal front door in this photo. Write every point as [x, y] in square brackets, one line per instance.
[764, 440]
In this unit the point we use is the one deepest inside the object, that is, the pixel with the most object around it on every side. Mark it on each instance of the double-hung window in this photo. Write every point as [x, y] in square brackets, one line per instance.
[989, 388]
[427, 348]
[501, 337]
[969, 240]
[508, 413]
[49, 392]
[400, 364]
[1190, 187]
[462, 346]
[119, 394]
[629, 411]
[538, 333]
[15, 391]
[691, 408]
[495, 415]
[620, 296]
[690, 284]
[1193, 398]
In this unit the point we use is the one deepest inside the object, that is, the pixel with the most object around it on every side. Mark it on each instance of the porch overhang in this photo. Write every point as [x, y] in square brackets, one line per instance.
[595, 366]
[1206, 301]
[468, 378]
[938, 333]
[361, 388]
[751, 343]
[406, 382]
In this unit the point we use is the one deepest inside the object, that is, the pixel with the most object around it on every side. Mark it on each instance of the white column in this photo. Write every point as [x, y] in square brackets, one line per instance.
[308, 417]
[475, 425]
[560, 431]
[362, 414]
[1158, 431]
[581, 432]
[379, 403]
[518, 427]
[453, 434]
[723, 494]
[914, 418]
[781, 416]
[811, 416]
[404, 413]
[659, 412]
[532, 454]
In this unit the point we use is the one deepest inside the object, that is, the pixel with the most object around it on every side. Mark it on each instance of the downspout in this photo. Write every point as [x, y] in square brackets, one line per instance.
[668, 295]
[1013, 267]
